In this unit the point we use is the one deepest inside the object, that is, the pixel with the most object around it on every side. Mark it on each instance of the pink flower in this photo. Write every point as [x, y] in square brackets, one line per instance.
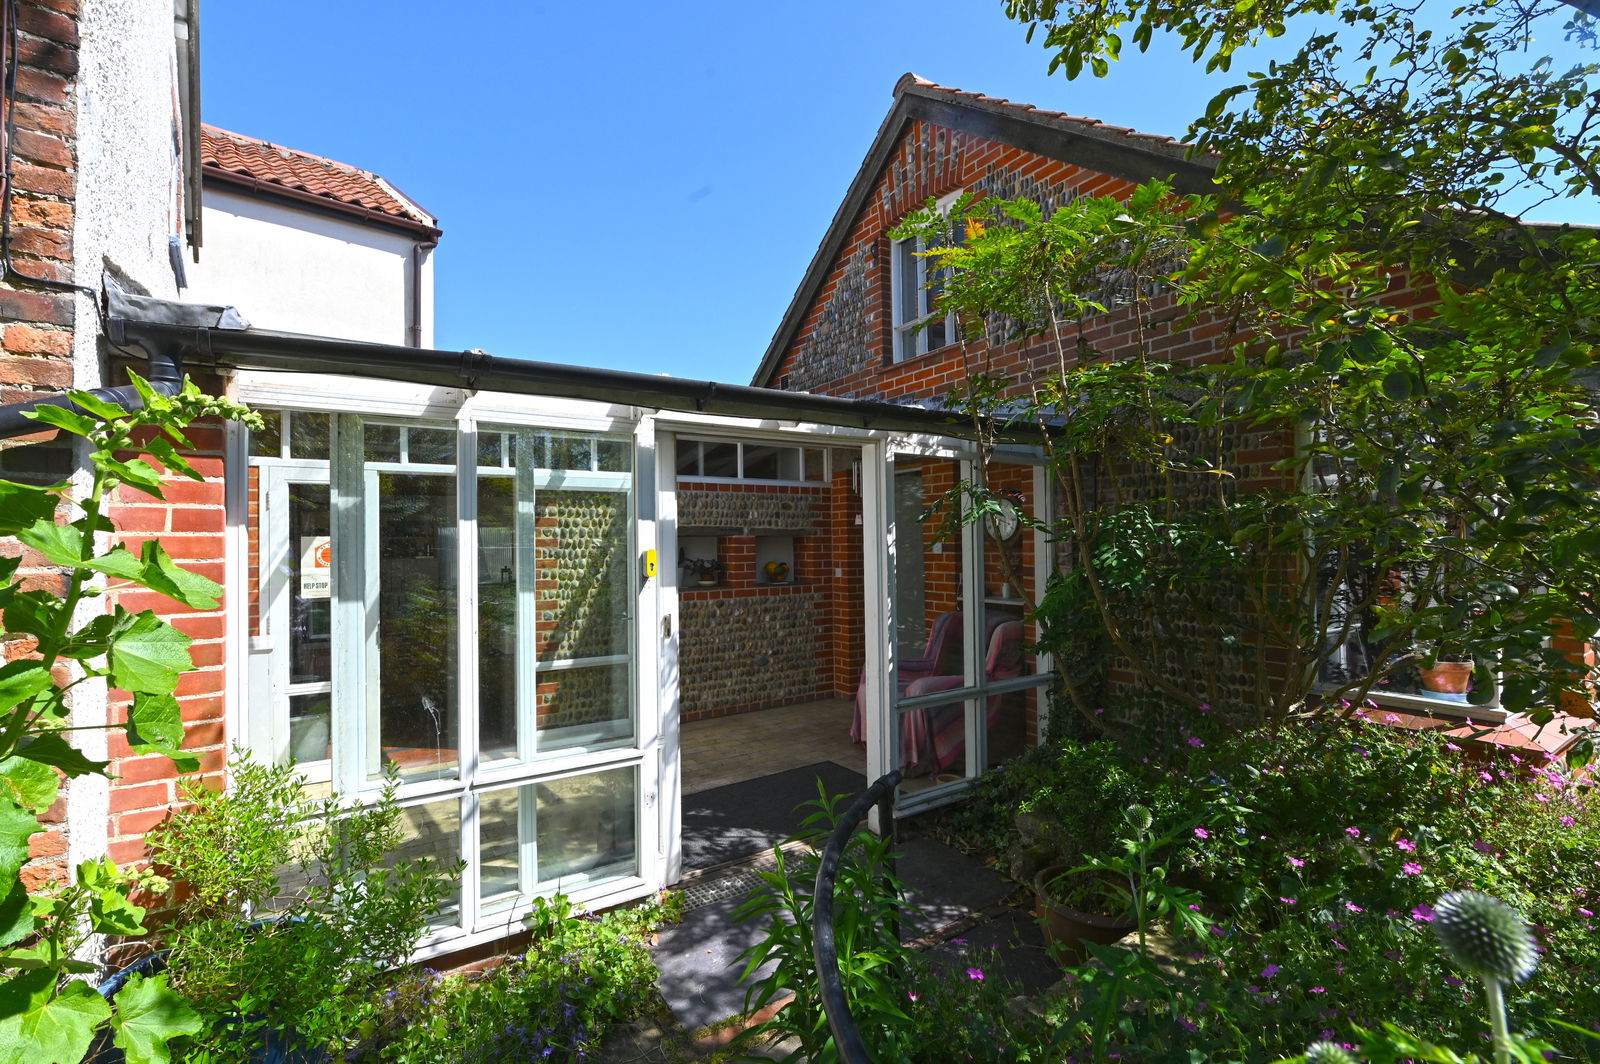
[975, 973]
[1205, 706]
[1194, 740]
[1542, 797]
[1452, 746]
[1288, 901]
[1390, 718]
[1484, 775]
[1319, 990]
[1567, 822]
[1354, 833]
[1406, 845]
[913, 995]
[1201, 833]
[1270, 970]
[1353, 907]
[1295, 862]
[1584, 911]
[1411, 868]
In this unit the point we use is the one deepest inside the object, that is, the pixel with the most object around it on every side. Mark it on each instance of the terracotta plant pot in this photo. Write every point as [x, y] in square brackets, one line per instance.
[1067, 930]
[1449, 679]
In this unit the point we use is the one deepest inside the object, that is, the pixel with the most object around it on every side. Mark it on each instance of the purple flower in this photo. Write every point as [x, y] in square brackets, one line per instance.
[1406, 845]
[975, 973]
[1423, 914]
[1319, 990]
[1354, 833]
[1452, 746]
[1391, 718]
[1194, 740]
[1295, 862]
[1201, 833]
[1411, 868]
[1353, 907]
[1270, 970]
[1567, 822]
[1483, 774]
[1288, 901]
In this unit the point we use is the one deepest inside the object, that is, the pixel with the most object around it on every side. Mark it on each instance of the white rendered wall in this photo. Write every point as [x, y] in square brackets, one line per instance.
[126, 209]
[300, 271]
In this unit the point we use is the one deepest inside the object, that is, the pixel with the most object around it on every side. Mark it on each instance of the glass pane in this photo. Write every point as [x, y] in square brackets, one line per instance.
[815, 466]
[310, 727]
[721, 459]
[267, 442]
[497, 617]
[1013, 724]
[930, 624]
[586, 828]
[562, 834]
[615, 456]
[433, 832]
[584, 706]
[571, 452]
[431, 446]
[381, 442]
[310, 557]
[760, 462]
[583, 566]
[908, 278]
[492, 452]
[309, 436]
[1008, 583]
[933, 740]
[935, 336]
[688, 458]
[416, 630]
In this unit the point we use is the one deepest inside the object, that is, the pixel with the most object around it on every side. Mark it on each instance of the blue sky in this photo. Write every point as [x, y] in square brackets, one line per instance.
[631, 186]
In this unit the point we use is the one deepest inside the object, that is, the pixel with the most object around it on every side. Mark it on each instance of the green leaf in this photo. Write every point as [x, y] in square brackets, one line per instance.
[32, 612]
[21, 680]
[28, 783]
[62, 418]
[111, 913]
[155, 723]
[23, 504]
[148, 1016]
[39, 1026]
[120, 562]
[17, 825]
[52, 749]
[16, 915]
[1398, 385]
[148, 654]
[100, 408]
[162, 574]
[60, 544]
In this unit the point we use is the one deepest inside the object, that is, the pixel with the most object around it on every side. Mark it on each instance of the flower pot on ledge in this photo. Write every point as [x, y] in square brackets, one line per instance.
[1450, 680]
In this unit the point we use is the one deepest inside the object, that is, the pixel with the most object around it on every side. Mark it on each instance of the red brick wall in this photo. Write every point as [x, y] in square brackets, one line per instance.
[190, 522]
[36, 323]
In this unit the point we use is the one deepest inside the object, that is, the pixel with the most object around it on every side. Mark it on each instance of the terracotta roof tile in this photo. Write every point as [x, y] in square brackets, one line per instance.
[235, 153]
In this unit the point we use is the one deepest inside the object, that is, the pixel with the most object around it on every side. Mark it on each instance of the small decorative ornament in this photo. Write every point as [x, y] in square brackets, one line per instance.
[1003, 524]
[777, 572]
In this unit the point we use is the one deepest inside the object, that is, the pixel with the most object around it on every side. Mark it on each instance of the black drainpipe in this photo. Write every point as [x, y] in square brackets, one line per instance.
[164, 371]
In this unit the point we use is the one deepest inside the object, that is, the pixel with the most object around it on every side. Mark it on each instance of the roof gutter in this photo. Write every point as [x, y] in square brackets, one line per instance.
[474, 370]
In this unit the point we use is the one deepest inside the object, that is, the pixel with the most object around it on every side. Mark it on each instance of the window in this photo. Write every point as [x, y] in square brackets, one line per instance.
[916, 288]
[727, 460]
[518, 749]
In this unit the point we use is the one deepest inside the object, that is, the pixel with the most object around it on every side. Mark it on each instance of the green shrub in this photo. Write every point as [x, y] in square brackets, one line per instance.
[578, 978]
[294, 912]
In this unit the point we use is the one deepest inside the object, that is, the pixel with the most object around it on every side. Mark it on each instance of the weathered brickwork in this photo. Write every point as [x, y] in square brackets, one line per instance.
[749, 652]
[36, 321]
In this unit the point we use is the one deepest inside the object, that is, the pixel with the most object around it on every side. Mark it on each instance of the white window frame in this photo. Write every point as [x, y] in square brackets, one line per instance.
[910, 338]
[470, 923]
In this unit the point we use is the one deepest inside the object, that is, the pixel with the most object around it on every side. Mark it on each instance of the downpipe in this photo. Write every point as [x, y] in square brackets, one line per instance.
[163, 370]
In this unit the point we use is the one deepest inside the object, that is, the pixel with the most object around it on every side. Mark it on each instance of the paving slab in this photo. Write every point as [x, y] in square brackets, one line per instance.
[944, 885]
[699, 962]
[1009, 946]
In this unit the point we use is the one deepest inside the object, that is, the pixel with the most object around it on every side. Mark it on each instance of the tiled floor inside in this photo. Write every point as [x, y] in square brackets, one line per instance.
[727, 750]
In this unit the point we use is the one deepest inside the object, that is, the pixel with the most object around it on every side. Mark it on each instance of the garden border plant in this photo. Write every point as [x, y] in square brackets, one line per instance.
[47, 1013]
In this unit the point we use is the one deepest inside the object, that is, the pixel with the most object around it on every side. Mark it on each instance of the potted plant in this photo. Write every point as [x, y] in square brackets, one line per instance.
[1445, 673]
[1076, 906]
[707, 572]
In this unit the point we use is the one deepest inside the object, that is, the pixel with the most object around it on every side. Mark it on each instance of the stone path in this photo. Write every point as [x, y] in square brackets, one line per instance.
[962, 908]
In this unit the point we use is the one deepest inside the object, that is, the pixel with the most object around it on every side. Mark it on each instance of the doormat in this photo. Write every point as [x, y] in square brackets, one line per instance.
[745, 819]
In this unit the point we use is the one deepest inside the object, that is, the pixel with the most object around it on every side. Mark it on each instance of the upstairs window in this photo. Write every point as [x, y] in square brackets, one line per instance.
[917, 284]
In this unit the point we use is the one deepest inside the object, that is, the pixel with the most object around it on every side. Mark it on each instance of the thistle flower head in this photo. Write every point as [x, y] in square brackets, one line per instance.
[1139, 817]
[1485, 936]
[1328, 1053]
